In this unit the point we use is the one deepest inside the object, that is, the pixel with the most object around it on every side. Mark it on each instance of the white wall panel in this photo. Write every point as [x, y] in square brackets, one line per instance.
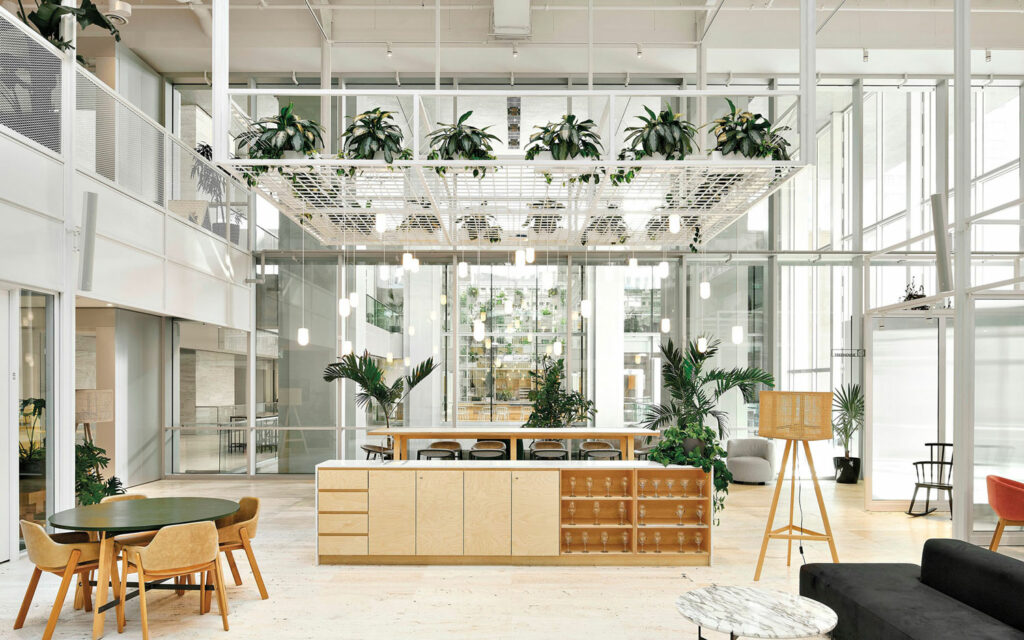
[127, 276]
[238, 264]
[196, 296]
[122, 217]
[30, 178]
[29, 245]
[240, 307]
[196, 249]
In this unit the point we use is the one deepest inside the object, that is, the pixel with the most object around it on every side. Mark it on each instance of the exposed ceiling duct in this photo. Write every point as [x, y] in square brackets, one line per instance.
[202, 14]
[511, 19]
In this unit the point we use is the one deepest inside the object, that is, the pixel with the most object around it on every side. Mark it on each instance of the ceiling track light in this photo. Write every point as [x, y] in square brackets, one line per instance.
[626, 83]
[988, 55]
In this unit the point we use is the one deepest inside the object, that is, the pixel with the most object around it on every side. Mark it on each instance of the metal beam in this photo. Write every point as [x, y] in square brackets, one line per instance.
[829, 17]
[963, 327]
[221, 101]
[808, 148]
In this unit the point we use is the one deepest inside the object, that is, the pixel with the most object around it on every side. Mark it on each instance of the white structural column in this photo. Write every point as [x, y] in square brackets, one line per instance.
[963, 327]
[220, 101]
[808, 30]
[607, 322]
[858, 303]
[63, 442]
[326, 50]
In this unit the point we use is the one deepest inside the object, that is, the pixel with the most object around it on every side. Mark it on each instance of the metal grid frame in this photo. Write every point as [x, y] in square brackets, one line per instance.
[515, 202]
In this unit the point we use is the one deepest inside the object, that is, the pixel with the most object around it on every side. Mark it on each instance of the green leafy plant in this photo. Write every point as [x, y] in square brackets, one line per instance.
[666, 133]
[90, 486]
[566, 139]
[460, 141]
[610, 227]
[750, 135]
[48, 14]
[694, 392]
[374, 132]
[848, 405]
[269, 138]
[480, 227]
[373, 388]
[32, 452]
[553, 406]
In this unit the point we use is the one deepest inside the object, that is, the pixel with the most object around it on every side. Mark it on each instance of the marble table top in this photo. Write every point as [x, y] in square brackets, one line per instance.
[753, 612]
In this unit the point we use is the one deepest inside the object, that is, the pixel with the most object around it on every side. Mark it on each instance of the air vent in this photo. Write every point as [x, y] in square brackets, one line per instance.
[511, 19]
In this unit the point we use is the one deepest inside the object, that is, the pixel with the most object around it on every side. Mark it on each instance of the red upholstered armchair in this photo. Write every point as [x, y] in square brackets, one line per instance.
[1006, 498]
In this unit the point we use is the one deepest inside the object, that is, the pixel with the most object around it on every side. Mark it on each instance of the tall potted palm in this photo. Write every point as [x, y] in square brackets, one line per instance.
[373, 388]
[848, 405]
[694, 392]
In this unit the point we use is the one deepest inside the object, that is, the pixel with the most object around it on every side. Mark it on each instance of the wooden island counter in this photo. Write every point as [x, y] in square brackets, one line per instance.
[502, 512]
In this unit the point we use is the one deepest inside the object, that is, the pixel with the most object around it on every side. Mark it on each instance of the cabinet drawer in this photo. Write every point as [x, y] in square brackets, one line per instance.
[343, 545]
[338, 479]
[342, 523]
[342, 501]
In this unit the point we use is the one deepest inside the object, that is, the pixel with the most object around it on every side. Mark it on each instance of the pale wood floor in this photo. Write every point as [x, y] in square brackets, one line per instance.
[307, 601]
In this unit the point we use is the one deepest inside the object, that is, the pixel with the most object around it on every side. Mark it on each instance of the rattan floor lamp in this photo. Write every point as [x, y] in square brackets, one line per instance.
[796, 417]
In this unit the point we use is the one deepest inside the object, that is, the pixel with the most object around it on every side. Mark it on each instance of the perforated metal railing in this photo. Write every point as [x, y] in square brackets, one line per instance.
[30, 84]
[113, 139]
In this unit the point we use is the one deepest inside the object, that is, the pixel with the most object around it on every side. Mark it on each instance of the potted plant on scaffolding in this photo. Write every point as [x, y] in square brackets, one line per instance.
[694, 392]
[848, 405]
[284, 135]
[665, 136]
[373, 134]
[567, 139]
[373, 387]
[460, 141]
[750, 135]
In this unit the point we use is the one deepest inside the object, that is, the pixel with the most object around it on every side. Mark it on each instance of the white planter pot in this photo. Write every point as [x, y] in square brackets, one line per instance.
[293, 155]
[716, 156]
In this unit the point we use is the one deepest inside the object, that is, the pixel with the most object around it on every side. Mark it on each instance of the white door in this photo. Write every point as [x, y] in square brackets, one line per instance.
[8, 433]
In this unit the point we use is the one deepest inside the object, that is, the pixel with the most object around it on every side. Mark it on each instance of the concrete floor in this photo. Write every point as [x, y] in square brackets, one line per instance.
[307, 601]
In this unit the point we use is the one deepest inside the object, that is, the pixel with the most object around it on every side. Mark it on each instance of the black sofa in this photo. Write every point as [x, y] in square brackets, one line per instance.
[959, 591]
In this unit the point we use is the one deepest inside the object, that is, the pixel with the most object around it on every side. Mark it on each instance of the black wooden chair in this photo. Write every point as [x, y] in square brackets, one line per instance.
[934, 473]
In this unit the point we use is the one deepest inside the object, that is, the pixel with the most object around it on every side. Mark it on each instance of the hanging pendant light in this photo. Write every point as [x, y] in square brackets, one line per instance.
[414, 265]
[344, 307]
[737, 334]
[557, 347]
[585, 308]
[463, 269]
[702, 344]
[705, 290]
[380, 225]
[390, 357]
[662, 270]
[353, 299]
[478, 330]
[346, 347]
[666, 325]
[531, 255]
[520, 258]
[406, 361]
[407, 260]
[444, 300]
[508, 305]
[487, 344]
[302, 337]
[382, 272]
[412, 330]
[483, 316]
[633, 263]
[675, 224]
[636, 359]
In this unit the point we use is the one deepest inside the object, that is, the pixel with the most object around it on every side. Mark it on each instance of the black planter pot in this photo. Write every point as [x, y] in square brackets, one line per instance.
[847, 469]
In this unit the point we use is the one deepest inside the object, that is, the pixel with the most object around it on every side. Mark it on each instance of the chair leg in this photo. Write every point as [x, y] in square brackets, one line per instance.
[233, 567]
[913, 501]
[79, 595]
[207, 595]
[202, 593]
[62, 593]
[222, 598]
[86, 590]
[247, 545]
[143, 613]
[997, 535]
[26, 602]
[122, 590]
[950, 492]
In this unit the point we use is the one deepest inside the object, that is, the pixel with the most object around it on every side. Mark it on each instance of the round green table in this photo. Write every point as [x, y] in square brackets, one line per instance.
[129, 516]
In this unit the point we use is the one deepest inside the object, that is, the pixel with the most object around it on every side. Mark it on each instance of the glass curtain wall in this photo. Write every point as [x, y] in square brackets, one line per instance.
[35, 407]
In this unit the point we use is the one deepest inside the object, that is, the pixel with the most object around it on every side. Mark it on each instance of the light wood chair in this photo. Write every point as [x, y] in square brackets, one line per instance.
[450, 445]
[593, 445]
[548, 445]
[63, 554]
[490, 444]
[235, 533]
[175, 552]
[501, 413]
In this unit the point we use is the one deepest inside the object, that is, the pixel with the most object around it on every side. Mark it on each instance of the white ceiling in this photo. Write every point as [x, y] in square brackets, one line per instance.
[746, 36]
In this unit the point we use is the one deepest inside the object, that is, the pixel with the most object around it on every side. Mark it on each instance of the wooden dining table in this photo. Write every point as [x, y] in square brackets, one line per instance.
[402, 435]
[132, 516]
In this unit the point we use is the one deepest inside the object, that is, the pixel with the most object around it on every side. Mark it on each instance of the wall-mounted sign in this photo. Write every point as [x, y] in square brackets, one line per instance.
[848, 353]
[514, 106]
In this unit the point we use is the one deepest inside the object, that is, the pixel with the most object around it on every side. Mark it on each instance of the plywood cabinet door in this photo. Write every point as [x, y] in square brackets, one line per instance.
[392, 510]
[535, 513]
[438, 513]
[488, 509]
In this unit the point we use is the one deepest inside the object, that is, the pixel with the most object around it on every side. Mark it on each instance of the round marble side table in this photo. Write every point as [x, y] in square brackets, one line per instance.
[752, 612]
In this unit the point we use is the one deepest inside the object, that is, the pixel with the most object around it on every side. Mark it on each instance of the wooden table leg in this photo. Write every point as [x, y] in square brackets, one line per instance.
[102, 584]
[513, 450]
[399, 453]
[627, 448]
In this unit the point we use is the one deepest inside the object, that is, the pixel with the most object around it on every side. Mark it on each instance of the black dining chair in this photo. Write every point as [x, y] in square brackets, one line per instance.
[550, 454]
[435, 454]
[486, 454]
[934, 473]
[604, 454]
[376, 452]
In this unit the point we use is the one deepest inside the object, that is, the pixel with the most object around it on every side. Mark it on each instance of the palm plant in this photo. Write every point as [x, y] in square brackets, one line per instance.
[694, 391]
[363, 371]
[460, 141]
[666, 133]
[269, 138]
[848, 403]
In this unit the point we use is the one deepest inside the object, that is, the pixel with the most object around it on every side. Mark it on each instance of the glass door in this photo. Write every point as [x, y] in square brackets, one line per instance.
[7, 419]
[35, 386]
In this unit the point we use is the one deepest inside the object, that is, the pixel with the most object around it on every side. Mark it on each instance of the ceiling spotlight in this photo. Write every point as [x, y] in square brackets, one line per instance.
[988, 55]
[639, 51]
[866, 57]
[515, 50]
[390, 52]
